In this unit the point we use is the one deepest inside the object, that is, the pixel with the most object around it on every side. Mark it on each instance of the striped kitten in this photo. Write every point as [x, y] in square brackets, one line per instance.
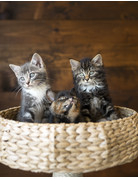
[66, 108]
[33, 80]
[92, 89]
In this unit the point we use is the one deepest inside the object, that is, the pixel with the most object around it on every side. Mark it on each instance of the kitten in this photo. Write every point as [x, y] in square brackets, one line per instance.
[66, 108]
[33, 80]
[92, 89]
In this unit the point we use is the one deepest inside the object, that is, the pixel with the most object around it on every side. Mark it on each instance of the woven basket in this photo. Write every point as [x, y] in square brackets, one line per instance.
[75, 148]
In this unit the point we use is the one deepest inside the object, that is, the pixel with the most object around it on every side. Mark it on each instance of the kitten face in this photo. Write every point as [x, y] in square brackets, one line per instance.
[31, 74]
[66, 106]
[87, 73]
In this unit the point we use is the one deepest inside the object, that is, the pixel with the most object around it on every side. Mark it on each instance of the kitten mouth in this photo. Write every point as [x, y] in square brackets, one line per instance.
[87, 82]
[28, 86]
[70, 103]
[73, 100]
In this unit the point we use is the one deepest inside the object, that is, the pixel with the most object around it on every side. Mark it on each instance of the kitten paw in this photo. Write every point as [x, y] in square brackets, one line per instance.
[27, 117]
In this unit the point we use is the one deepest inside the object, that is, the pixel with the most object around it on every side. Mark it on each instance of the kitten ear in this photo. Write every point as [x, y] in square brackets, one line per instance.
[97, 60]
[74, 64]
[37, 60]
[16, 69]
[50, 95]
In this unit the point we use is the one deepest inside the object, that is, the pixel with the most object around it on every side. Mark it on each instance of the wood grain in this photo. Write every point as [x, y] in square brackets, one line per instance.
[70, 10]
[57, 41]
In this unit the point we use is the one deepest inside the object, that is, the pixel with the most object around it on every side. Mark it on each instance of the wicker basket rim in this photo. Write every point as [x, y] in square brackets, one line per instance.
[134, 113]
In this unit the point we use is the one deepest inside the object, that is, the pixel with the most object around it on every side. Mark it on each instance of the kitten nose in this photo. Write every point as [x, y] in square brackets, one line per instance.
[27, 82]
[87, 78]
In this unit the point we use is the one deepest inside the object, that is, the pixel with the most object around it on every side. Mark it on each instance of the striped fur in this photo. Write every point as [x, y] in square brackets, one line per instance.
[91, 88]
[32, 79]
[66, 108]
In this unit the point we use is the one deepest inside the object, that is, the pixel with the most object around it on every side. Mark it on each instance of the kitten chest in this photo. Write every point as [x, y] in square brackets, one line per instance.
[33, 100]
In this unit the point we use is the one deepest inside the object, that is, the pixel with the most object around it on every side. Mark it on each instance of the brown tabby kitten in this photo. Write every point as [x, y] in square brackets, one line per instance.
[92, 89]
[66, 108]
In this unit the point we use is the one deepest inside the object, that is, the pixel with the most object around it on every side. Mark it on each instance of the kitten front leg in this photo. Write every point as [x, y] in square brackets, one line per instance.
[27, 117]
[113, 116]
[108, 111]
[51, 119]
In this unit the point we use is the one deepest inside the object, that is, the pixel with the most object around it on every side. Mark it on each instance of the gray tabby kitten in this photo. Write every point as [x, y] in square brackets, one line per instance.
[33, 80]
[92, 89]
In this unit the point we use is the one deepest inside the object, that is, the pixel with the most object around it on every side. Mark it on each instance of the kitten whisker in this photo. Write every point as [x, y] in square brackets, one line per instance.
[20, 88]
[16, 89]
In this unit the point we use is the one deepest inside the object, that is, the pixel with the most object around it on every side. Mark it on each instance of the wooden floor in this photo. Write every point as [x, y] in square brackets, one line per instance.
[59, 31]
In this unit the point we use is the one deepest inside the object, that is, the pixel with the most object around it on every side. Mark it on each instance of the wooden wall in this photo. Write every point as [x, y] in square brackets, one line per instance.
[59, 31]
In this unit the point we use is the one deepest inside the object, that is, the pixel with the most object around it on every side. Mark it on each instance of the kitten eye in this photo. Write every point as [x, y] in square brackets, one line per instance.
[32, 75]
[22, 79]
[65, 106]
[62, 98]
[81, 75]
[92, 73]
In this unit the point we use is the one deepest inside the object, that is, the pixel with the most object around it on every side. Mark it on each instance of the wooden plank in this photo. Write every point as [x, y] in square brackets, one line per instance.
[8, 100]
[71, 10]
[57, 41]
[4, 11]
[122, 78]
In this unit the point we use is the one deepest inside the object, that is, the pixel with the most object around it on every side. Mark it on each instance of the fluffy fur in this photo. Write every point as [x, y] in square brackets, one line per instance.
[32, 79]
[92, 89]
[66, 108]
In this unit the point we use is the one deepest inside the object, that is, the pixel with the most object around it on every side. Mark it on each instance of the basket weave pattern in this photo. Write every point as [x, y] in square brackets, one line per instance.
[75, 148]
